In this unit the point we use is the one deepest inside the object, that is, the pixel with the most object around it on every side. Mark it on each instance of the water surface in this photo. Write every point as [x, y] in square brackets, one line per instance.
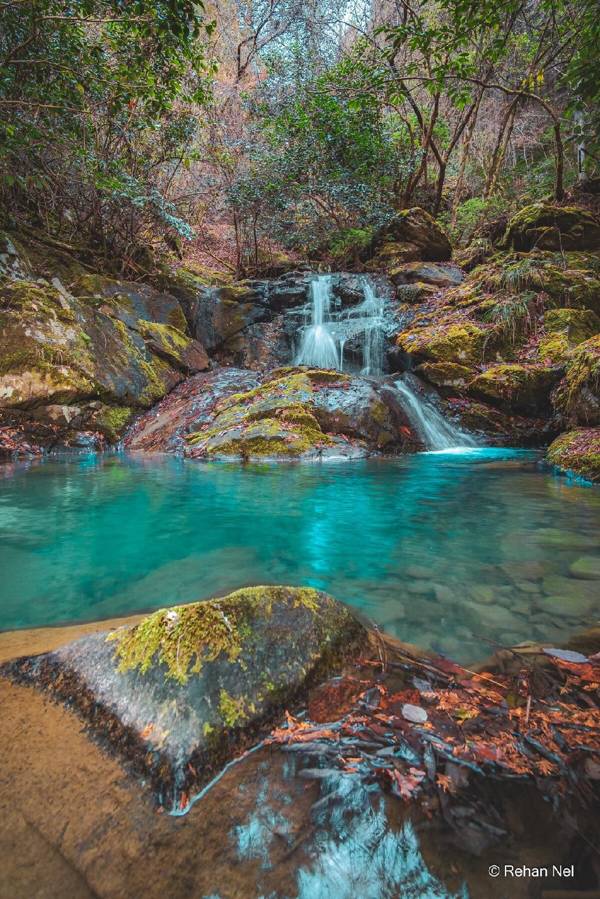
[456, 551]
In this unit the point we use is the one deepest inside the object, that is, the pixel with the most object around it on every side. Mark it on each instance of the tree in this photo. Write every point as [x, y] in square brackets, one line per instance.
[96, 107]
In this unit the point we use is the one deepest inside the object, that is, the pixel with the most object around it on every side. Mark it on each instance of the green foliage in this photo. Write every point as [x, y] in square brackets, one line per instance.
[93, 117]
[473, 213]
[330, 164]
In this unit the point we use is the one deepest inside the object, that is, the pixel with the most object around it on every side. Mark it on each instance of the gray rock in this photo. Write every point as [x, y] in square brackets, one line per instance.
[587, 568]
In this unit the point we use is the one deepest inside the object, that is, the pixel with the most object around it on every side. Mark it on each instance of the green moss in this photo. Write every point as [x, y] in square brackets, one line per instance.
[446, 341]
[234, 711]
[112, 420]
[578, 451]
[169, 337]
[583, 371]
[184, 638]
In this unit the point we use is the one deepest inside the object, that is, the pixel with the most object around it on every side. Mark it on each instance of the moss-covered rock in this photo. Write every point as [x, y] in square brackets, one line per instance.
[411, 235]
[187, 688]
[451, 340]
[549, 227]
[564, 329]
[302, 412]
[101, 348]
[577, 397]
[446, 374]
[520, 388]
[578, 451]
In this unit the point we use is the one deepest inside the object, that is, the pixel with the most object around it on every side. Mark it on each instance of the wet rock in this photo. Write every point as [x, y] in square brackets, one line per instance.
[562, 539]
[587, 568]
[482, 593]
[568, 605]
[182, 692]
[420, 588]
[303, 413]
[548, 227]
[570, 588]
[446, 374]
[578, 452]
[517, 388]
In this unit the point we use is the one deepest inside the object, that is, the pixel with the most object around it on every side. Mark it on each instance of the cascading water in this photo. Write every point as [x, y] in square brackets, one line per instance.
[436, 431]
[318, 344]
[326, 332]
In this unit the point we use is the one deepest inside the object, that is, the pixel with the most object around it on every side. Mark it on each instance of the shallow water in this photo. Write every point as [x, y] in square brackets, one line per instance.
[455, 551]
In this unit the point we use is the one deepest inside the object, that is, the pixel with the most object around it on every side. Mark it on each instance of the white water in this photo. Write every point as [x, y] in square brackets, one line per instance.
[436, 432]
[326, 333]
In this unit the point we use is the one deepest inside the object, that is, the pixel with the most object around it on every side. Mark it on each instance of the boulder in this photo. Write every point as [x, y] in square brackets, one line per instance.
[517, 388]
[83, 362]
[577, 452]
[564, 329]
[411, 235]
[447, 340]
[436, 273]
[577, 397]
[303, 413]
[185, 690]
[499, 427]
[446, 374]
[547, 227]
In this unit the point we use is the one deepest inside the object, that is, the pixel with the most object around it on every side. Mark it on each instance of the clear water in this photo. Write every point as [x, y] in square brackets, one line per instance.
[448, 550]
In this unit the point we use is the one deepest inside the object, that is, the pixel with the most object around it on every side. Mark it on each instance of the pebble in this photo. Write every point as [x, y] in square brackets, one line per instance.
[527, 586]
[414, 713]
[587, 567]
[419, 587]
[482, 593]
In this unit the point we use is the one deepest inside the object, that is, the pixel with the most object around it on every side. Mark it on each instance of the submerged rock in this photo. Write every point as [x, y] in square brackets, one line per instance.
[182, 692]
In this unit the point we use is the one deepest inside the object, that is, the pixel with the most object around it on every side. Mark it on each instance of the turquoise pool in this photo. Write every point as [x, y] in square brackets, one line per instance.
[456, 551]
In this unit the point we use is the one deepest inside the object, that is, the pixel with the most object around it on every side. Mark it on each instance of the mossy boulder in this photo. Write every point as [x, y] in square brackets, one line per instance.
[446, 374]
[577, 397]
[450, 340]
[437, 274]
[302, 413]
[101, 348]
[514, 387]
[564, 329]
[186, 689]
[549, 227]
[577, 451]
[411, 235]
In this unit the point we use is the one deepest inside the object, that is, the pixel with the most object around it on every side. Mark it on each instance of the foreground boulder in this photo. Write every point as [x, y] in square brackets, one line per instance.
[289, 413]
[185, 690]
[578, 452]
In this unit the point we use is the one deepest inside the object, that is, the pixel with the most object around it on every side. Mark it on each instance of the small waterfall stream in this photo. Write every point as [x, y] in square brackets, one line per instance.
[436, 431]
[326, 332]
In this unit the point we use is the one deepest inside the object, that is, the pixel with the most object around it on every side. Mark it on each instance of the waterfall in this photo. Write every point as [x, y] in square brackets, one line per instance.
[326, 332]
[436, 432]
[318, 344]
